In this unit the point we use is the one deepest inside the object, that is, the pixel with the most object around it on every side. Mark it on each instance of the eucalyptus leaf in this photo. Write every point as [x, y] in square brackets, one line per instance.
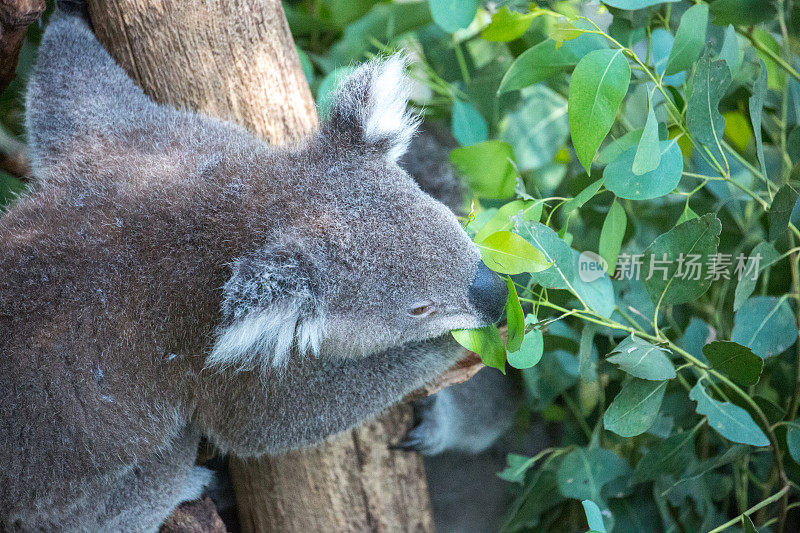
[599, 83]
[780, 210]
[730, 52]
[667, 266]
[583, 473]
[555, 251]
[537, 64]
[761, 257]
[453, 15]
[756, 105]
[793, 440]
[611, 235]
[671, 456]
[507, 25]
[635, 407]
[508, 253]
[735, 361]
[594, 517]
[485, 342]
[515, 319]
[622, 180]
[468, 126]
[528, 210]
[727, 419]
[689, 39]
[488, 168]
[642, 360]
[531, 350]
[703, 120]
[766, 325]
[648, 151]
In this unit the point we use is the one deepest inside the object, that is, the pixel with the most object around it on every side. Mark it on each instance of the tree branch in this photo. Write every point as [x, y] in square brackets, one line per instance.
[15, 17]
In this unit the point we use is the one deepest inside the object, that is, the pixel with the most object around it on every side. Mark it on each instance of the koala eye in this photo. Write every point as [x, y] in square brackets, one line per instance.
[422, 309]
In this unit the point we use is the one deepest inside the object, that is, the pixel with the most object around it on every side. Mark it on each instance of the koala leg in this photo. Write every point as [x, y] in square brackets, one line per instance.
[467, 417]
[137, 498]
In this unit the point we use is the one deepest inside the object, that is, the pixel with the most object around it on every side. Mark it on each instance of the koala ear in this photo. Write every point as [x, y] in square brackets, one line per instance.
[370, 106]
[271, 307]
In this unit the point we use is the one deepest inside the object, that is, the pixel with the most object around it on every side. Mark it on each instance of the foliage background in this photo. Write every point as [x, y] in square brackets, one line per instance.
[624, 127]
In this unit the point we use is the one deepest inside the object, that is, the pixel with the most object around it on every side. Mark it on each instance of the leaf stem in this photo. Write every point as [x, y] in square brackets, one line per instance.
[732, 522]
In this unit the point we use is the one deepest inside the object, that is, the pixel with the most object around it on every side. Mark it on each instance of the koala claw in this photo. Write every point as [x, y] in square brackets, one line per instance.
[422, 437]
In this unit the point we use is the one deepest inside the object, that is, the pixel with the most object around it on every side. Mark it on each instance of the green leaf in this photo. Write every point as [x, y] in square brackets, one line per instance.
[592, 284]
[781, 210]
[485, 342]
[642, 360]
[688, 214]
[793, 440]
[735, 361]
[756, 104]
[611, 235]
[727, 419]
[689, 39]
[468, 126]
[594, 517]
[635, 408]
[648, 152]
[635, 4]
[453, 15]
[599, 83]
[668, 457]
[518, 465]
[584, 472]
[761, 257]
[672, 279]
[508, 253]
[537, 64]
[625, 183]
[741, 12]
[515, 319]
[766, 325]
[536, 128]
[507, 25]
[555, 251]
[582, 197]
[615, 148]
[730, 52]
[531, 350]
[488, 168]
[587, 367]
[703, 120]
[526, 209]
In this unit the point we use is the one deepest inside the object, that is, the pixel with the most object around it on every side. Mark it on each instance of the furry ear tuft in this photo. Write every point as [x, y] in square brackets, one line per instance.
[270, 308]
[371, 104]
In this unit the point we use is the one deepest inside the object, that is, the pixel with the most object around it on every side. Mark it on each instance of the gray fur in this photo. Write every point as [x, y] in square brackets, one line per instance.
[149, 233]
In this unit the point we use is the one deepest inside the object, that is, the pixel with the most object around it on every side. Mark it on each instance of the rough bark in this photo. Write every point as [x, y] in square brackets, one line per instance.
[235, 59]
[15, 17]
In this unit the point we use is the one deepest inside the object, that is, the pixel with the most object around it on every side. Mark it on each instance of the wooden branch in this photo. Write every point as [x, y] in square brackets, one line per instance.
[14, 158]
[15, 17]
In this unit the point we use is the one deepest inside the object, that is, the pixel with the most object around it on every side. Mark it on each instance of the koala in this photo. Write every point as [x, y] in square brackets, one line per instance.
[171, 277]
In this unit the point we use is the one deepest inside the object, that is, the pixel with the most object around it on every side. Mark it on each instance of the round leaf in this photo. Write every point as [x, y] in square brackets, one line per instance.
[530, 352]
[469, 127]
[453, 15]
[621, 179]
[735, 361]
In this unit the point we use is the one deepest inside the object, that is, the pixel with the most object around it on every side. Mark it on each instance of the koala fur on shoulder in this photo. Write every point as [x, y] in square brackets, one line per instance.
[169, 276]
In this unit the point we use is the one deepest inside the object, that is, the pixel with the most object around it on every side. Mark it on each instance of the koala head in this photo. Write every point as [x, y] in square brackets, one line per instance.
[368, 261]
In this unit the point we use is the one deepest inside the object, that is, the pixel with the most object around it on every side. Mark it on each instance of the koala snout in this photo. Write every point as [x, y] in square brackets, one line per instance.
[488, 294]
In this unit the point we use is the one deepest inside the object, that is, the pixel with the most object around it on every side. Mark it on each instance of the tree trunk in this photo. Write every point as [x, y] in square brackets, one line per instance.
[236, 59]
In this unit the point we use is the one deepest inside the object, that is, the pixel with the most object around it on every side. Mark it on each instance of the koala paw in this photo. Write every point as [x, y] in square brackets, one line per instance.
[428, 435]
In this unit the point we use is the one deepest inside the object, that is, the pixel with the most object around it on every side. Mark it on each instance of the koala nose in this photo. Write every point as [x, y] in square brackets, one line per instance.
[488, 293]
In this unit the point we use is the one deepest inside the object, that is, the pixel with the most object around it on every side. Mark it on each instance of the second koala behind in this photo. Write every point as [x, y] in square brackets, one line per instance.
[171, 276]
